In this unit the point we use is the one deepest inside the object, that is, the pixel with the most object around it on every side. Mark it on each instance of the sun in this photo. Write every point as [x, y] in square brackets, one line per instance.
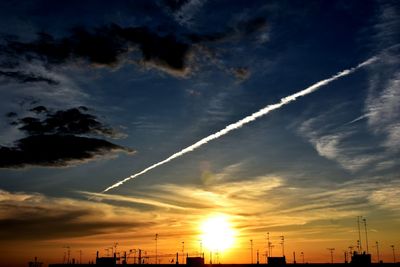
[217, 233]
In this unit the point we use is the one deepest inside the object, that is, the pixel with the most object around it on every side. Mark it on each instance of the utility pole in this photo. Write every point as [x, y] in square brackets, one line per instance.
[251, 250]
[366, 233]
[269, 246]
[331, 250]
[394, 254]
[302, 256]
[68, 253]
[283, 245]
[258, 257]
[80, 256]
[156, 248]
[359, 235]
[183, 252]
[377, 250]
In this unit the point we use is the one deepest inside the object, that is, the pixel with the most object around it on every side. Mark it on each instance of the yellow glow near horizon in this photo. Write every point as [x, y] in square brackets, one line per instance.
[217, 233]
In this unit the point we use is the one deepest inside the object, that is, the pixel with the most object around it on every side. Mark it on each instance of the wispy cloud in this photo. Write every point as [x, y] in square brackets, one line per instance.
[137, 200]
[184, 15]
[383, 109]
[33, 216]
[337, 143]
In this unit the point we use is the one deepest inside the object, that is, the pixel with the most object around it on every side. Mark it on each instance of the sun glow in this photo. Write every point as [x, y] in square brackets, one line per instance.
[217, 233]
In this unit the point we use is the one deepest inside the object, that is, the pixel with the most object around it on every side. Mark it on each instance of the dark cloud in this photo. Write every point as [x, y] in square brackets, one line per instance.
[39, 109]
[58, 139]
[239, 30]
[70, 121]
[253, 25]
[112, 44]
[11, 114]
[54, 150]
[103, 46]
[241, 73]
[175, 5]
[23, 77]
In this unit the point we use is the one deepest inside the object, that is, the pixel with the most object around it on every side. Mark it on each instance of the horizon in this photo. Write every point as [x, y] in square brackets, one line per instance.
[196, 126]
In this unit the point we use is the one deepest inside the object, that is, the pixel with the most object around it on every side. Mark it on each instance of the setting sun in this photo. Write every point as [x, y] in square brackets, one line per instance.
[217, 233]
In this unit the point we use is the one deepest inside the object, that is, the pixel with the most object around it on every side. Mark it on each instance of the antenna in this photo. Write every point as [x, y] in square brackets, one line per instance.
[377, 250]
[80, 256]
[359, 234]
[183, 252]
[251, 250]
[156, 247]
[68, 253]
[269, 246]
[366, 232]
[394, 255]
[331, 250]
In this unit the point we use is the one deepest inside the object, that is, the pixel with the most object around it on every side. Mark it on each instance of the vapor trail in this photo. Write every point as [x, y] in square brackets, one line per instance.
[250, 118]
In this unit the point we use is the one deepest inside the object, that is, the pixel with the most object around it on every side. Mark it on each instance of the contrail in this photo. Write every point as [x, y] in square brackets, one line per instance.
[250, 118]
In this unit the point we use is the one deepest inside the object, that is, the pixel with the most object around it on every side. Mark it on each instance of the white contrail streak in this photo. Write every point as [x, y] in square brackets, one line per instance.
[250, 118]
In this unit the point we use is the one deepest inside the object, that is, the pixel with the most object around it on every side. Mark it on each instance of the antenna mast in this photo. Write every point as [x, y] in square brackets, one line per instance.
[331, 250]
[359, 234]
[366, 232]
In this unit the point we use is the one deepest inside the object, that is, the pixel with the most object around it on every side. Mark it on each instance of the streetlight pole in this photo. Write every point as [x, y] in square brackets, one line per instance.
[183, 252]
[366, 233]
[377, 250]
[156, 248]
[251, 250]
[80, 256]
[394, 255]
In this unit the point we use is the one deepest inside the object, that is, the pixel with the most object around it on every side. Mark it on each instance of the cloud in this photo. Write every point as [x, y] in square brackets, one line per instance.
[383, 108]
[387, 197]
[266, 202]
[186, 10]
[58, 139]
[27, 216]
[241, 73]
[23, 77]
[339, 143]
[104, 46]
[70, 121]
[112, 45]
[137, 200]
[55, 151]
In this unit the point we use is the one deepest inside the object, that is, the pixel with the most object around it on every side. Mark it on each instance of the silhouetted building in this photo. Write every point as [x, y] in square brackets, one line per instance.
[35, 263]
[361, 259]
[195, 261]
[109, 261]
[277, 261]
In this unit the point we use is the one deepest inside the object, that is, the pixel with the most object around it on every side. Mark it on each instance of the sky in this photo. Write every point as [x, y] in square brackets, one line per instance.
[93, 92]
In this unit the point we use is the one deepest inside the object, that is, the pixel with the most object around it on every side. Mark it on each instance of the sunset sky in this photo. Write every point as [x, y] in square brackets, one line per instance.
[93, 92]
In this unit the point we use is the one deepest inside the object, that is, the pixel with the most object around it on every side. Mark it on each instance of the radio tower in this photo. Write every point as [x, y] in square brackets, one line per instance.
[331, 250]
[366, 233]
[359, 234]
